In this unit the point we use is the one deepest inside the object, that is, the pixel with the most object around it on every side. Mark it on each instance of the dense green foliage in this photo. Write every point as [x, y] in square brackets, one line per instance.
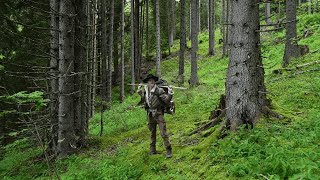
[274, 149]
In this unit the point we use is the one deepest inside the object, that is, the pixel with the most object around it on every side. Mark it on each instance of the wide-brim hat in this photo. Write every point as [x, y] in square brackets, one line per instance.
[150, 76]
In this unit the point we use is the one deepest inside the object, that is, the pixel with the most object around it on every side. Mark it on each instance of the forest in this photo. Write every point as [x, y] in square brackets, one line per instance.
[233, 86]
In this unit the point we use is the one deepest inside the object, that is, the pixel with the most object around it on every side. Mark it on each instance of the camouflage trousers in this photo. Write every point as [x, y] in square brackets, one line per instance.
[152, 124]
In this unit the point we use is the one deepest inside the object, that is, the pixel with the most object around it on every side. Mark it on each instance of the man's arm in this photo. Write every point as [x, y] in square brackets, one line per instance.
[141, 93]
[166, 98]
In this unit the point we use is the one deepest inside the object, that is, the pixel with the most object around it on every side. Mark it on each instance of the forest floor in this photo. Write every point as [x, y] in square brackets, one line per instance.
[274, 149]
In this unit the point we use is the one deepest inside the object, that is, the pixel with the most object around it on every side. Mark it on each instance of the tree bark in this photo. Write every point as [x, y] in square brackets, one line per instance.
[169, 25]
[132, 49]
[115, 59]
[141, 34]
[182, 40]
[94, 67]
[158, 37]
[109, 80]
[224, 28]
[199, 16]
[309, 6]
[66, 134]
[291, 47]
[228, 31]
[279, 11]
[268, 13]
[122, 52]
[173, 19]
[99, 48]
[89, 55]
[54, 65]
[226, 13]
[194, 81]
[190, 21]
[103, 50]
[245, 76]
[137, 39]
[147, 29]
[211, 27]
[80, 66]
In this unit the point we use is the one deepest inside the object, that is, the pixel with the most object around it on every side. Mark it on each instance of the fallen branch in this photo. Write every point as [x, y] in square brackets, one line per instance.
[279, 71]
[307, 64]
[274, 24]
[298, 73]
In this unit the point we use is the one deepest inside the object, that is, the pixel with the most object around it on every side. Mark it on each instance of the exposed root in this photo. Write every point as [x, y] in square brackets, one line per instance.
[223, 130]
[210, 124]
[216, 115]
[268, 112]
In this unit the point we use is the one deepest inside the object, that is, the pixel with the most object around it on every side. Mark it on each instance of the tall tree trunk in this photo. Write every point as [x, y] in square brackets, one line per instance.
[279, 11]
[291, 47]
[182, 40]
[190, 21]
[309, 6]
[94, 67]
[224, 27]
[170, 37]
[226, 37]
[109, 80]
[89, 55]
[245, 76]
[66, 134]
[115, 58]
[132, 49]
[199, 16]
[99, 48]
[122, 52]
[194, 81]
[78, 62]
[103, 50]
[80, 67]
[141, 34]
[137, 39]
[173, 22]
[147, 29]
[228, 31]
[169, 21]
[211, 27]
[170, 41]
[268, 13]
[54, 67]
[103, 60]
[158, 51]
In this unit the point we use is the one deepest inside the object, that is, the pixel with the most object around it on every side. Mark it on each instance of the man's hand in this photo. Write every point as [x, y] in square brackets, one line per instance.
[170, 91]
[139, 91]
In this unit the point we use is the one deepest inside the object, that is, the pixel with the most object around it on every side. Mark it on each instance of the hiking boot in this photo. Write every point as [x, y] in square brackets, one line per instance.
[153, 150]
[169, 152]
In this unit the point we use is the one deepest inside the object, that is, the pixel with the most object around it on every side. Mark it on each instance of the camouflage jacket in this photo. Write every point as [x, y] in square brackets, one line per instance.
[155, 99]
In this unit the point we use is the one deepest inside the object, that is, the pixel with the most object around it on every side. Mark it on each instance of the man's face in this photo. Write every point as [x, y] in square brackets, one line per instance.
[151, 83]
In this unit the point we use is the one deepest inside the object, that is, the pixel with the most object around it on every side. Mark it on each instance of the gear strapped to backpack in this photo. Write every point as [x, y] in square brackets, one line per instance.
[170, 107]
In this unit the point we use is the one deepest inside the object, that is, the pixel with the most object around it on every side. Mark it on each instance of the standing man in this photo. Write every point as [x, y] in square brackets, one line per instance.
[155, 100]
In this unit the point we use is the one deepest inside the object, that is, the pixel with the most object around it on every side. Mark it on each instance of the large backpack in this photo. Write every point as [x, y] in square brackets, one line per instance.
[169, 108]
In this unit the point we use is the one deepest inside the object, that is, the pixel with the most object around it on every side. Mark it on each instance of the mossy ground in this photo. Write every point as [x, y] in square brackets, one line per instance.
[274, 149]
